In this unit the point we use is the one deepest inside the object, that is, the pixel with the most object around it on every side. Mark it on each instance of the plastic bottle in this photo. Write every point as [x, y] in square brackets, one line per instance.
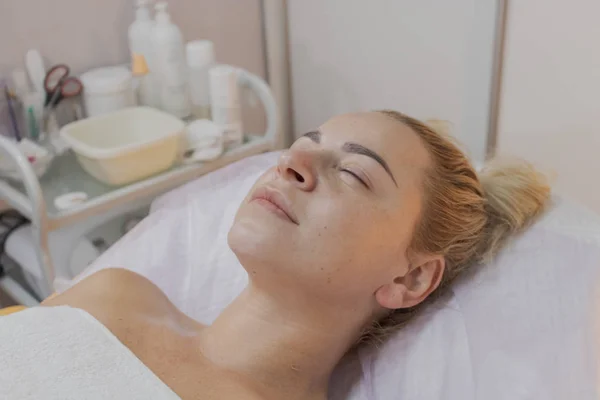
[140, 46]
[225, 103]
[200, 59]
[145, 88]
[169, 58]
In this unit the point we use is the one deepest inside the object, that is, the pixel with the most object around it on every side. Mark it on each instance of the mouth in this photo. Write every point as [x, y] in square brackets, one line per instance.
[275, 202]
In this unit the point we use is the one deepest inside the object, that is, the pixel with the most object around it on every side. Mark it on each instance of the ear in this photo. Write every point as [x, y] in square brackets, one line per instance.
[422, 278]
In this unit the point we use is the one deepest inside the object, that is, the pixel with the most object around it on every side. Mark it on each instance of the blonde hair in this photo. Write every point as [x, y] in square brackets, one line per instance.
[466, 217]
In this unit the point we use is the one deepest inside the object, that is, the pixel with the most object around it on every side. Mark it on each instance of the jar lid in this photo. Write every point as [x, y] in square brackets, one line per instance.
[70, 200]
[106, 80]
[200, 53]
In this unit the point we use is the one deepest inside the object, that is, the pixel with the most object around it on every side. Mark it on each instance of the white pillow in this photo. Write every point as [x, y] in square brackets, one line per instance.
[520, 328]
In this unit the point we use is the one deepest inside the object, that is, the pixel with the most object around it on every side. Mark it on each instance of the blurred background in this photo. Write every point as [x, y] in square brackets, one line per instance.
[431, 58]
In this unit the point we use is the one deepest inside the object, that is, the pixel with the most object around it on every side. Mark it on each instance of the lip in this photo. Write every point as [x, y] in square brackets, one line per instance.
[276, 201]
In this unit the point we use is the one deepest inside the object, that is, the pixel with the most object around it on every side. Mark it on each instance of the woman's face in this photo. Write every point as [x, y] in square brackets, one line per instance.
[334, 218]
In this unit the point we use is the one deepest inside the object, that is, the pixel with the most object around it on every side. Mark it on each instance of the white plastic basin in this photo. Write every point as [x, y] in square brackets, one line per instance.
[127, 145]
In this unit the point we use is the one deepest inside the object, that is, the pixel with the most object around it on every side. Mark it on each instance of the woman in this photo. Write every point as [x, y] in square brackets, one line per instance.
[357, 226]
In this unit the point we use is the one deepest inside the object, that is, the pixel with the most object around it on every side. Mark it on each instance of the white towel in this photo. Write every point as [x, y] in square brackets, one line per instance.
[65, 353]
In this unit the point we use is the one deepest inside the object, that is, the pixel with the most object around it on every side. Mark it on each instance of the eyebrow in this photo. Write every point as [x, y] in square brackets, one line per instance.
[355, 148]
[315, 136]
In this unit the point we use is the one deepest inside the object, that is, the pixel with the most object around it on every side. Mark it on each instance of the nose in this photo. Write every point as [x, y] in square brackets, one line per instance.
[297, 166]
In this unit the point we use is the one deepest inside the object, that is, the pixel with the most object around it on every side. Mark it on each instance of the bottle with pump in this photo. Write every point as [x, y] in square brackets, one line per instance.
[169, 59]
[140, 46]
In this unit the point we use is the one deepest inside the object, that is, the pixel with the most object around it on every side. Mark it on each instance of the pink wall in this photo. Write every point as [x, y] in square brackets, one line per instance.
[88, 33]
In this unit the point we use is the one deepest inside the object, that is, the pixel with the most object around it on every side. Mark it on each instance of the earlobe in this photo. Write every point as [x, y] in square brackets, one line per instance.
[390, 296]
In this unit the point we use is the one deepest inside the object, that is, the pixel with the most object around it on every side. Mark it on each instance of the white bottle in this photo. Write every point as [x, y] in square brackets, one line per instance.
[170, 65]
[200, 59]
[225, 103]
[140, 45]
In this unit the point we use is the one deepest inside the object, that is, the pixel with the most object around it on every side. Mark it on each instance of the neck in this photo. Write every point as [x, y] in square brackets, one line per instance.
[289, 347]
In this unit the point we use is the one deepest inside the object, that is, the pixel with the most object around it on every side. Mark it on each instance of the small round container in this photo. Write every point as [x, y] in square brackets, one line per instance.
[107, 90]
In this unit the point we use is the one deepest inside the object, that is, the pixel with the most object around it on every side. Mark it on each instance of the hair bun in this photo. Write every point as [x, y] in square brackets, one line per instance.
[516, 194]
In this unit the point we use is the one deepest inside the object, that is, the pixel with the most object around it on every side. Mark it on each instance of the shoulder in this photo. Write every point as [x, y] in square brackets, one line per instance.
[114, 292]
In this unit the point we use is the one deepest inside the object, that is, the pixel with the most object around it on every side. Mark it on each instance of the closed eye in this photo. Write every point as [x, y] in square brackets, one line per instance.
[358, 178]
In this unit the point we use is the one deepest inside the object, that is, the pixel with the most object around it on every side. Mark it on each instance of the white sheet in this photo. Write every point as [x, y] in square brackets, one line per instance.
[520, 328]
[63, 353]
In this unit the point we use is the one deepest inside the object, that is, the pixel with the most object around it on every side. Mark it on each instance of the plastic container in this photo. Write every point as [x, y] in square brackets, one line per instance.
[140, 46]
[126, 146]
[107, 90]
[170, 65]
[200, 59]
[225, 103]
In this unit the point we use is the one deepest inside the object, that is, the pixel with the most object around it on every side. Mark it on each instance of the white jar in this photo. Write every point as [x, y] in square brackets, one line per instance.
[225, 103]
[107, 90]
[200, 59]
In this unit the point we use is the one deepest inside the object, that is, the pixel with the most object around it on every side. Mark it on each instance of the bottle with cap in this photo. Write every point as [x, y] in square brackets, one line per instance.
[140, 47]
[225, 103]
[169, 58]
[200, 59]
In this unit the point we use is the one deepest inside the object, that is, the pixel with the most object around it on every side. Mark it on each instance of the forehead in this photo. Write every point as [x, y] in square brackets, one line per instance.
[398, 144]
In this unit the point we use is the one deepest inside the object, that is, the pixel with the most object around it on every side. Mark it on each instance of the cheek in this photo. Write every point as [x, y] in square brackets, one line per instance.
[352, 223]
[266, 177]
[357, 243]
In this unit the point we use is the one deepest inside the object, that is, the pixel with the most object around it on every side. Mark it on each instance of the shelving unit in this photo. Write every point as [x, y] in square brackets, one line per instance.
[35, 198]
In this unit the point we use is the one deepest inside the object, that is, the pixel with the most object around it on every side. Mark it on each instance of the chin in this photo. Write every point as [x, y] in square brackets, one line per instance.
[255, 241]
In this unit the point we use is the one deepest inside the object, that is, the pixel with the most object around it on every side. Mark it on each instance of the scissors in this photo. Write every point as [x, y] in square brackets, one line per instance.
[59, 85]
